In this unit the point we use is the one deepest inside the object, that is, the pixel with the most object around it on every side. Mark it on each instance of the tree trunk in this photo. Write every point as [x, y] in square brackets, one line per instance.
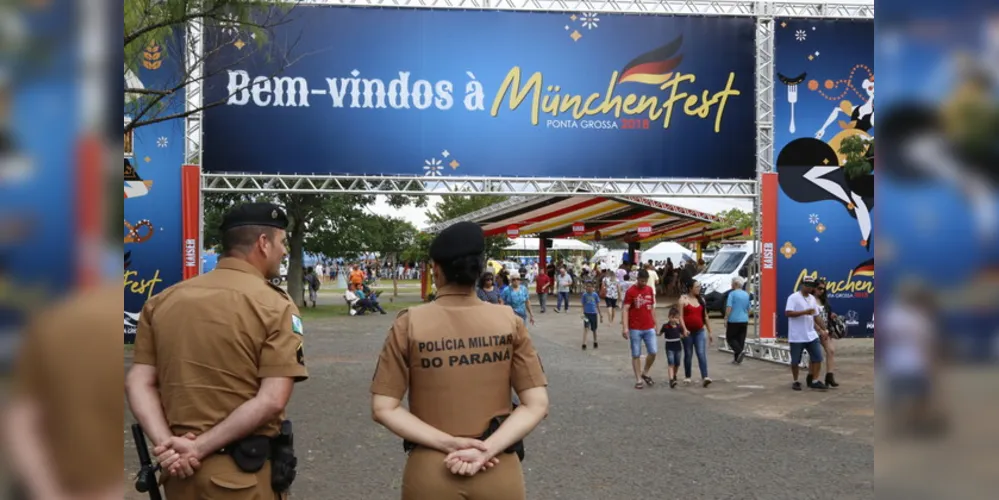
[296, 256]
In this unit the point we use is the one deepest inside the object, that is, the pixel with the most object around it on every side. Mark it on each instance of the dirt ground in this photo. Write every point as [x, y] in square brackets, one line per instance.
[747, 436]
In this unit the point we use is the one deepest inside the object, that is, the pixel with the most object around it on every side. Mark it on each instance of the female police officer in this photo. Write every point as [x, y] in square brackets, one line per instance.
[458, 358]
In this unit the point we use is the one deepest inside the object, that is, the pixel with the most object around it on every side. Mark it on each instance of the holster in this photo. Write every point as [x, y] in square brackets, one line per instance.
[251, 453]
[494, 425]
[283, 460]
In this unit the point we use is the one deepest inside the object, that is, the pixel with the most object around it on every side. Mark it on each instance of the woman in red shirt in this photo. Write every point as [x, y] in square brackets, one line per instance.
[696, 331]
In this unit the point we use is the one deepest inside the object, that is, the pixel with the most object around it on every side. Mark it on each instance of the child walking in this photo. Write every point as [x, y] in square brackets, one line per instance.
[591, 310]
[673, 333]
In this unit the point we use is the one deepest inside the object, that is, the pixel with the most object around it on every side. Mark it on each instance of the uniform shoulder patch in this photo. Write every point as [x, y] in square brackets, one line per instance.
[296, 325]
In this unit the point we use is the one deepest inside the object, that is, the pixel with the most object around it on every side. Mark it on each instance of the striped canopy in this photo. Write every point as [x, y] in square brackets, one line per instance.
[615, 218]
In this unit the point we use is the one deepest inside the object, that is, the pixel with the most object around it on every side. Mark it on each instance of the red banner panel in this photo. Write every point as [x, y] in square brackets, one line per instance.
[190, 202]
[644, 229]
[578, 229]
[768, 238]
[513, 232]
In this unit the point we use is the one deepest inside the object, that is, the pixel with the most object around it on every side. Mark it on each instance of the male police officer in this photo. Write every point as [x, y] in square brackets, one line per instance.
[215, 360]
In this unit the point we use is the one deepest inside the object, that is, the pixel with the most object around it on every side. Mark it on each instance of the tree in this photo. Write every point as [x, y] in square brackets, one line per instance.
[330, 225]
[454, 206]
[859, 156]
[151, 26]
[733, 218]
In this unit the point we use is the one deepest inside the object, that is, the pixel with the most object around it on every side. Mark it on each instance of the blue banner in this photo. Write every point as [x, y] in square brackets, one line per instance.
[825, 94]
[153, 157]
[459, 93]
[39, 161]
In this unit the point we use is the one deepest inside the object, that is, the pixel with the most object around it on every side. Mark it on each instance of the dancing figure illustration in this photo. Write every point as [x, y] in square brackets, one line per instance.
[861, 116]
[811, 170]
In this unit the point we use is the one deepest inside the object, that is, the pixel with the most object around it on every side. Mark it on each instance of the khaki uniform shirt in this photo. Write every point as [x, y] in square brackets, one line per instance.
[67, 370]
[213, 338]
[458, 357]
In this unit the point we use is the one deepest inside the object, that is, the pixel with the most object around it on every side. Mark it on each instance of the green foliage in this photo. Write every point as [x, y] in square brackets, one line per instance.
[331, 225]
[733, 218]
[153, 38]
[419, 251]
[454, 206]
[859, 156]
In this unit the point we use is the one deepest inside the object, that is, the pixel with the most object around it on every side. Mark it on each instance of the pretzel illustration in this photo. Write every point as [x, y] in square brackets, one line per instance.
[134, 234]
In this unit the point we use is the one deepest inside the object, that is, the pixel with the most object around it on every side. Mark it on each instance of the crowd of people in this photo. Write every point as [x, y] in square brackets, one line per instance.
[687, 333]
[329, 271]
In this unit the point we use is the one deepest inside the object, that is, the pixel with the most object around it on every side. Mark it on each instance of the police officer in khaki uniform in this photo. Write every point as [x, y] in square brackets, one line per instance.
[458, 357]
[216, 357]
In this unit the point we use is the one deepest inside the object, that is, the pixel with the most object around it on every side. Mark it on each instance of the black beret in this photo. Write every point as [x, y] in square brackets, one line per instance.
[255, 214]
[458, 240]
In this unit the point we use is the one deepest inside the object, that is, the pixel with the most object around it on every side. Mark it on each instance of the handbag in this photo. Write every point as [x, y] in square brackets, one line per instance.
[837, 327]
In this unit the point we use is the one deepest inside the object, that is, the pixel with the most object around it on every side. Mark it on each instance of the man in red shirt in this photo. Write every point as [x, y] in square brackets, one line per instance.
[638, 323]
[544, 284]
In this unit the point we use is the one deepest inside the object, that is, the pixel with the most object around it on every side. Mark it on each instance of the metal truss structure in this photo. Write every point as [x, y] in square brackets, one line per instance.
[536, 186]
[766, 351]
[763, 11]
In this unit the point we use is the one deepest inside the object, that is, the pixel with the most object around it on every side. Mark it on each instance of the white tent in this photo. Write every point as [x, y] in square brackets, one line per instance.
[531, 245]
[667, 250]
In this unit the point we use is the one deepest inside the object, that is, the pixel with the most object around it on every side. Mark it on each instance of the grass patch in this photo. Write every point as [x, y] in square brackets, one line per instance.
[340, 310]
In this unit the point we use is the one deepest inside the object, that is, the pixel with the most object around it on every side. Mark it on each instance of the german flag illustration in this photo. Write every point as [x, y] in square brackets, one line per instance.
[654, 67]
[865, 269]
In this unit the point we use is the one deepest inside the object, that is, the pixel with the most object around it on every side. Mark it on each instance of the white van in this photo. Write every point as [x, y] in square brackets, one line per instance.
[732, 260]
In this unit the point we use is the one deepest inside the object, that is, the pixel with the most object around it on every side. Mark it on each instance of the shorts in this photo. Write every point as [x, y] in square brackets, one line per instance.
[611, 303]
[590, 321]
[312, 295]
[640, 336]
[814, 349]
[673, 356]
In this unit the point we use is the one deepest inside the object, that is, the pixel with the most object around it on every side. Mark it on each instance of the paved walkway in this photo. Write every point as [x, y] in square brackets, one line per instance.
[747, 436]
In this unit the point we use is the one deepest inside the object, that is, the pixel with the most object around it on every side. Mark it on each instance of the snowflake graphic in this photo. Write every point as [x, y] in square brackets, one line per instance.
[162, 142]
[432, 167]
[589, 20]
[229, 24]
[800, 35]
[813, 219]
[816, 239]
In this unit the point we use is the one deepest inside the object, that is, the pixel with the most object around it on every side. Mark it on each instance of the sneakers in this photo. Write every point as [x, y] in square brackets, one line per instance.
[796, 385]
[672, 383]
[584, 347]
[595, 345]
[819, 386]
[686, 381]
[742, 356]
[707, 381]
[831, 380]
